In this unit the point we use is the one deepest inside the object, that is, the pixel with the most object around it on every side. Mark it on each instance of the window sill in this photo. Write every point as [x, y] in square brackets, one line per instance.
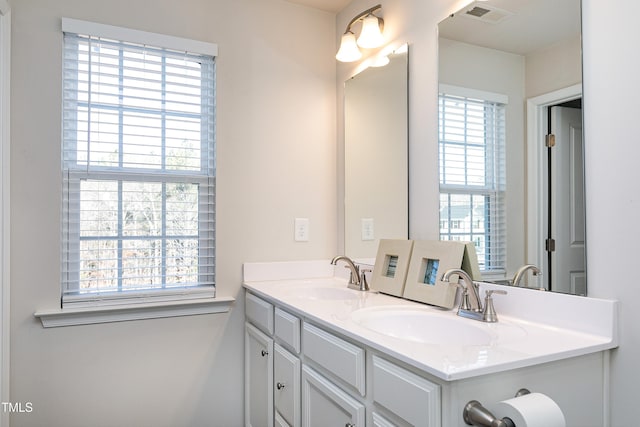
[126, 312]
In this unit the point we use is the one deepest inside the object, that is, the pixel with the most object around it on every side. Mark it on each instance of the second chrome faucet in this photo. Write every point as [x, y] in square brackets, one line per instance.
[517, 278]
[473, 309]
[357, 279]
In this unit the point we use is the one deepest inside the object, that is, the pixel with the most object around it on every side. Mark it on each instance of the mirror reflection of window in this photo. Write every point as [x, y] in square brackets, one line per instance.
[472, 173]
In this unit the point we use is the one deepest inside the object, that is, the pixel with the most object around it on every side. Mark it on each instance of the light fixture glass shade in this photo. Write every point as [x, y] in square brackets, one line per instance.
[370, 36]
[348, 51]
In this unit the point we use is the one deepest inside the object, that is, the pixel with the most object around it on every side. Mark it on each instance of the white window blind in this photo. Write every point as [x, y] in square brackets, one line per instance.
[472, 176]
[138, 161]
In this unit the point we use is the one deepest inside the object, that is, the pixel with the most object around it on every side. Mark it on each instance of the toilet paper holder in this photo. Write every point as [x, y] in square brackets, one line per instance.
[474, 414]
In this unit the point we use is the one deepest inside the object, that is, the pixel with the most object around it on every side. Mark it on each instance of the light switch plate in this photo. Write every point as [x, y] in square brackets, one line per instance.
[366, 229]
[301, 230]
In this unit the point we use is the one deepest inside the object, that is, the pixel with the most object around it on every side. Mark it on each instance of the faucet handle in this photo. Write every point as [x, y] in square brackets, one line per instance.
[353, 280]
[494, 291]
[364, 285]
[465, 304]
[489, 314]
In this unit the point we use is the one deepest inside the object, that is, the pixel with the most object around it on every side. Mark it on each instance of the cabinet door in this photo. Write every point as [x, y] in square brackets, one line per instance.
[287, 329]
[259, 312]
[341, 358]
[286, 374]
[258, 377]
[324, 404]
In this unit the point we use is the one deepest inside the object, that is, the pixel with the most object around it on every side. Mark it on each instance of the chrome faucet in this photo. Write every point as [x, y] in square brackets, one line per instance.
[356, 280]
[468, 287]
[521, 272]
[474, 310]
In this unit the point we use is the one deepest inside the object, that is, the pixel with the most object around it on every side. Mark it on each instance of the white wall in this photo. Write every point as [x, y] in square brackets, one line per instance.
[553, 68]
[276, 161]
[611, 94]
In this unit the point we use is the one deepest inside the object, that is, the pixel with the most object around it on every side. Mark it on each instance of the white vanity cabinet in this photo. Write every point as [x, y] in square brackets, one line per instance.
[333, 359]
[301, 374]
[301, 371]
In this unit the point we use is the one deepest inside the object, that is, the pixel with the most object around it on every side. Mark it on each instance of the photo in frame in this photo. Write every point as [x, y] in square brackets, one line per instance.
[429, 260]
[392, 263]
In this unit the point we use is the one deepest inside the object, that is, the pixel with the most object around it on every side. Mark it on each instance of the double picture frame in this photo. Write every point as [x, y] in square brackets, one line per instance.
[413, 270]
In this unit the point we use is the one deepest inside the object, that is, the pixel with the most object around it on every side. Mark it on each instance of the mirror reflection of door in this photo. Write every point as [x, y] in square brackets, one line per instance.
[566, 220]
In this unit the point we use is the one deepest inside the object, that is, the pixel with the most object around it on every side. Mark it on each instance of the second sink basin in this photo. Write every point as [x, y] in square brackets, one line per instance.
[433, 327]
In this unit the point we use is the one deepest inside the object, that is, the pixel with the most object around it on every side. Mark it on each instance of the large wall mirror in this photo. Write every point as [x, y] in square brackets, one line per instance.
[527, 54]
[376, 163]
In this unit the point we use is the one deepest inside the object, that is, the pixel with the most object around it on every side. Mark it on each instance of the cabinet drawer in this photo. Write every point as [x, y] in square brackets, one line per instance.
[287, 329]
[407, 395]
[344, 360]
[286, 378]
[259, 312]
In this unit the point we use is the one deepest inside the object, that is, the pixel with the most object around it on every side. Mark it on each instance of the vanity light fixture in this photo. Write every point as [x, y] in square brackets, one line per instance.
[370, 36]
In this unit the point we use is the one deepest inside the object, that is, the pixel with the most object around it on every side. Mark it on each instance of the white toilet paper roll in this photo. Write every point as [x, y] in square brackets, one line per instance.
[531, 410]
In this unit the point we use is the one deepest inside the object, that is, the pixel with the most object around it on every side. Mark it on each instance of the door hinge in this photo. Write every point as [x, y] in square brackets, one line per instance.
[550, 140]
[550, 245]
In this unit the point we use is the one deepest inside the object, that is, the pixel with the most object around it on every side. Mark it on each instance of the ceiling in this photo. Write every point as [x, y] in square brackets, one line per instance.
[334, 6]
[529, 25]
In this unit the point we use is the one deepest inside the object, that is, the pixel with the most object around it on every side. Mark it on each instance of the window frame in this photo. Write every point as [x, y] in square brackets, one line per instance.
[146, 303]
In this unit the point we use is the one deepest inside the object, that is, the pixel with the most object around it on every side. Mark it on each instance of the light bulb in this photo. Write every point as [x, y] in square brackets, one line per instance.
[348, 51]
[371, 36]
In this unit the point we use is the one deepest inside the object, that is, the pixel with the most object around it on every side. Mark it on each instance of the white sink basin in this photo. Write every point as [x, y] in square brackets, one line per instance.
[434, 327]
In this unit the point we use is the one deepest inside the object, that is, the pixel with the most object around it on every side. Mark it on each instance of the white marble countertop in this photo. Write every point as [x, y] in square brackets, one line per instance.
[519, 339]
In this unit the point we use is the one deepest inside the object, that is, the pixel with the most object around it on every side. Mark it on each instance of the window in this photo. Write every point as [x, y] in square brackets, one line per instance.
[472, 173]
[138, 162]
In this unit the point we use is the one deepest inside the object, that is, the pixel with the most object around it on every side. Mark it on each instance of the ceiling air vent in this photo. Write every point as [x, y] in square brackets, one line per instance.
[486, 13]
[478, 12]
